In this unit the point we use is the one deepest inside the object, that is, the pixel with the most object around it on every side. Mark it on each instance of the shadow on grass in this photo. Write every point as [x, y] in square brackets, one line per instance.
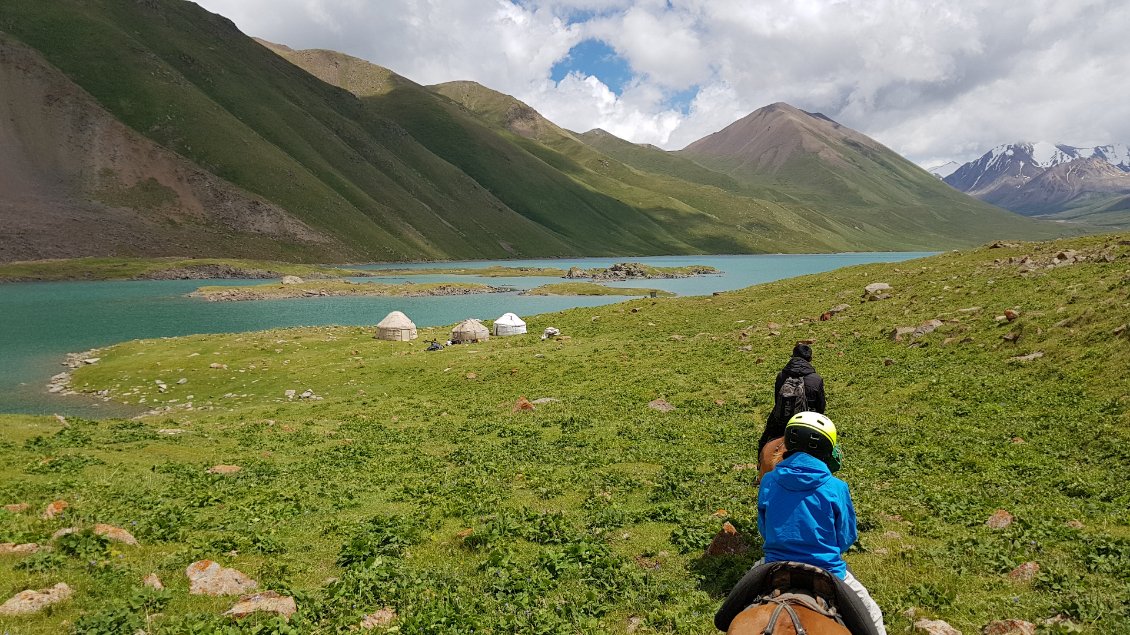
[718, 574]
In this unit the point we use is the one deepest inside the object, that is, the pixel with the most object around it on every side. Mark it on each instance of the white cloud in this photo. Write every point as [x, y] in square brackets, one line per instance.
[933, 80]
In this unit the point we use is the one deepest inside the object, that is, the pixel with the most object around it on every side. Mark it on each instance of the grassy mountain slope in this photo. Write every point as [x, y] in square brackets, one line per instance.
[190, 81]
[850, 178]
[417, 485]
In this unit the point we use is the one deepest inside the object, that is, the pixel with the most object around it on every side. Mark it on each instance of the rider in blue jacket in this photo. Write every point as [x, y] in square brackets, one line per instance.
[804, 513]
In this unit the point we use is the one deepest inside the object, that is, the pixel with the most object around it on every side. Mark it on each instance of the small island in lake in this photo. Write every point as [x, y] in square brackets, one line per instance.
[618, 271]
[293, 287]
[592, 288]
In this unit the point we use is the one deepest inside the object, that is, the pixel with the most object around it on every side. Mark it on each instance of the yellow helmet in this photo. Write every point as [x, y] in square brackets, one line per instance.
[813, 421]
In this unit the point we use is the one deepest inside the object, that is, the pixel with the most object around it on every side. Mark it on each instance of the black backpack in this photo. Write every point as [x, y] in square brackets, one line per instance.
[791, 398]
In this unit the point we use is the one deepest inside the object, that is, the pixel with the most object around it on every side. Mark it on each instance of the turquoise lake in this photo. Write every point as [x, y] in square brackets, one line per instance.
[41, 322]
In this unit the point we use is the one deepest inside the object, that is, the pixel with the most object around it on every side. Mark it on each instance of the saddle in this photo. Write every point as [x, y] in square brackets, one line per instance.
[796, 583]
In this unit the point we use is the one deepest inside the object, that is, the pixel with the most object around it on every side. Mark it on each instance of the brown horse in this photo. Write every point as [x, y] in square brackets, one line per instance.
[770, 456]
[760, 619]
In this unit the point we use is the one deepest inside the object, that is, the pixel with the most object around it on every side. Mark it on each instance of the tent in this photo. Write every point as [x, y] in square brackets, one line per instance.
[509, 324]
[470, 330]
[396, 327]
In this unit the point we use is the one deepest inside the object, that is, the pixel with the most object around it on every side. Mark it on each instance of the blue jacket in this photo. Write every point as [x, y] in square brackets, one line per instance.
[805, 514]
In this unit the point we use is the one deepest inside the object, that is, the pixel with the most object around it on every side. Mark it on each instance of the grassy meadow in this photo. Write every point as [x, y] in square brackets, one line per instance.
[412, 481]
[117, 268]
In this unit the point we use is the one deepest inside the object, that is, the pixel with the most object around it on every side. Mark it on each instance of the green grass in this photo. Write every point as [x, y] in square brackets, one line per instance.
[591, 288]
[339, 288]
[127, 268]
[594, 509]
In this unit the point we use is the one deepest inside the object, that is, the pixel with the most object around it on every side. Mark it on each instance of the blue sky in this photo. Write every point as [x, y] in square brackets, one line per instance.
[595, 58]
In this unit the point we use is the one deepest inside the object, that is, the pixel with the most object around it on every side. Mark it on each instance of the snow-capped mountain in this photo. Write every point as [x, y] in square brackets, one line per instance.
[1010, 175]
[945, 169]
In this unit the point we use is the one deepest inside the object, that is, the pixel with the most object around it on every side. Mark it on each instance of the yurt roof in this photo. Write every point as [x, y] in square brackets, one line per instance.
[471, 324]
[510, 319]
[396, 320]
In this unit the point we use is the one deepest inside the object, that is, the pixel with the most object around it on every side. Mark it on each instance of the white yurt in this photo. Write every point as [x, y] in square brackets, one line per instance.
[470, 330]
[509, 324]
[396, 327]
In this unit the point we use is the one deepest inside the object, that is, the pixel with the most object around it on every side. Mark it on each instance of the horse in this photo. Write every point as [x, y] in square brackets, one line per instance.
[792, 598]
[770, 456]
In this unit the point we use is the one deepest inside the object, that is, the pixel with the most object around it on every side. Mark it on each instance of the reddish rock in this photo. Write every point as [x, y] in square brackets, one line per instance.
[727, 542]
[1025, 572]
[1018, 440]
[265, 602]
[379, 619]
[1011, 315]
[206, 577]
[661, 405]
[115, 534]
[29, 601]
[17, 508]
[153, 582]
[999, 520]
[55, 508]
[934, 627]
[522, 404]
[1009, 627]
[224, 469]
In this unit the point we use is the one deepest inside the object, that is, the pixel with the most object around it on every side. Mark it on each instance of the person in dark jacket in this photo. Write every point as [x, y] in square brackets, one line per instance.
[799, 365]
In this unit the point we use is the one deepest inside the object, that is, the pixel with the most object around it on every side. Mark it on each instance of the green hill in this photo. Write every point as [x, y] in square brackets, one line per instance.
[418, 481]
[390, 170]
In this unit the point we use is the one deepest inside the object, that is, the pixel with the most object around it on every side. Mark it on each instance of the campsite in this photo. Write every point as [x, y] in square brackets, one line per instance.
[407, 489]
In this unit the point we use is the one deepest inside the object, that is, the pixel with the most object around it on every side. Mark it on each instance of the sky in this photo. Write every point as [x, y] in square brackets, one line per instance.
[934, 81]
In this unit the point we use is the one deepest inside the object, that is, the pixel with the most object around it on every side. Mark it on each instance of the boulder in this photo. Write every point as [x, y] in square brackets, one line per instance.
[999, 520]
[661, 405]
[11, 548]
[115, 534]
[1027, 358]
[727, 542]
[1025, 572]
[839, 308]
[1009, 627]
[902, 332]
[153, 582]
[55, 508]
[876, 291]
[28, 602]
[381, 618]
[522, 404]
[928, 326]
[292, 280]
[575, 272]
[206, 577]
[934, 627]
[1011, 315]
[265, 602]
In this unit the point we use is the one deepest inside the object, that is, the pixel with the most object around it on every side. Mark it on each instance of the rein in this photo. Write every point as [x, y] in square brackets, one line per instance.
[783, 604]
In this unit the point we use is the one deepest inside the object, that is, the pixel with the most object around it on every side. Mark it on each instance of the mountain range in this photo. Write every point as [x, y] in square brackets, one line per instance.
[153, 127]
[1055, 181]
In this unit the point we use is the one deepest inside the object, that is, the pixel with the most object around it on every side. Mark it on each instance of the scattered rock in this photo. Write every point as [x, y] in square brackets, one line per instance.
[65, 531]
[206, 577]
[773, 326]
[676, 338]
[839, 308]
[634, 622]
[17, 508]
[307, 394]
[380, 619]
[1027, 358]
[926, 327]
[265, 602]
[115, 534]
[935, 627]
[1025, 572]
[1011, 337]
[522, 404]
[575, 272]
[172, 432]
[1011, 315]
[1118, 331]
[1000, 244]
[876, 291]
[153, 582]
[661, 405]
[28, 602]
[887, 361]
[218, 365]
[972, 309]
[1009, 627]
[901, 332]
[472, 375]
[544, 400]
[182, 381]
[1017, 440]
[11, 548]
[55, 508]
[1074, 524]
[727, 542]
[549, 332]
[290, 393]
[291, 280]
[224, 469]
[999, 520]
